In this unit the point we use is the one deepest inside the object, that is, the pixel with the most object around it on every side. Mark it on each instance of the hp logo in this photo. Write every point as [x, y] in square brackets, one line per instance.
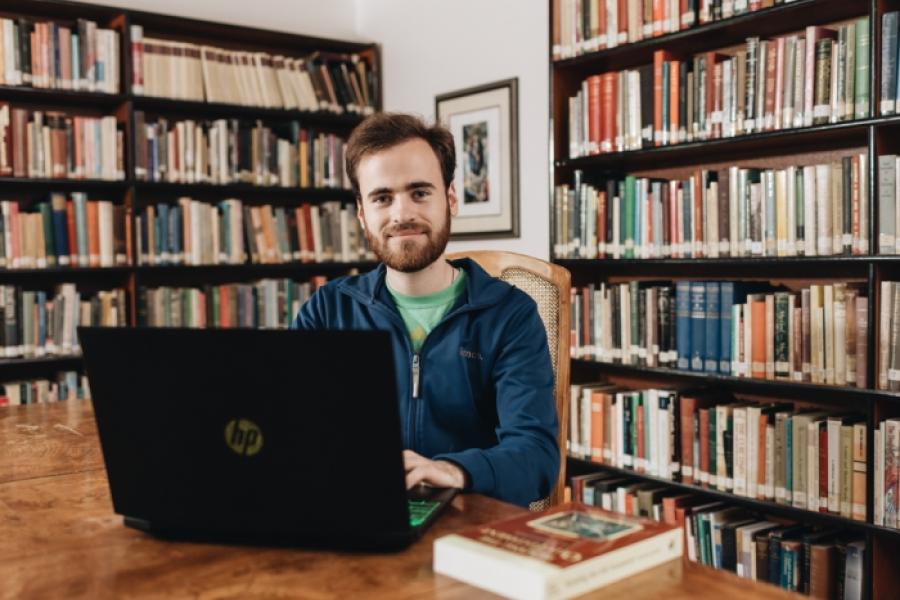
[244, 437]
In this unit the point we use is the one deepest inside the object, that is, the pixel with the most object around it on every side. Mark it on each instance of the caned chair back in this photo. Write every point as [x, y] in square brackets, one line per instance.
[549, 285]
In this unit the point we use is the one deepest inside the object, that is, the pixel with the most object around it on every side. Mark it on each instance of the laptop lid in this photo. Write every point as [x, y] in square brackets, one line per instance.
[292, 434]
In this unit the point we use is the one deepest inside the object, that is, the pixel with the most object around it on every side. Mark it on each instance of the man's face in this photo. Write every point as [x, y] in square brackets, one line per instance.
[404, 209]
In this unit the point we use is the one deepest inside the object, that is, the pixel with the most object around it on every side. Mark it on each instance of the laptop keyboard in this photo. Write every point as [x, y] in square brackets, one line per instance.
[420, 510]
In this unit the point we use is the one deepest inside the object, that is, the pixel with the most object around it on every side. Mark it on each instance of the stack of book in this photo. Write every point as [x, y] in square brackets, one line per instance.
[816, 334]
[61, 232]
[819, 562]
[794, 81]
[58, 145]
[45, 54]
[268, 303]
[582, 26]
[180, 70]
[37, 323]
[68, 385]
[229, 151]
[804, 210]
[192, 232]
[805, 458]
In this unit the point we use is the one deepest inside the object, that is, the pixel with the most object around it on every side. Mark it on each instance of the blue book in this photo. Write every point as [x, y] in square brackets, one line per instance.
[157, 237]
[726, 301]
[698, 325]
[60, 229]
[683, 324]
[163, 239]
[76, 60]
[629, 211]
[174, 232]
[711, 364]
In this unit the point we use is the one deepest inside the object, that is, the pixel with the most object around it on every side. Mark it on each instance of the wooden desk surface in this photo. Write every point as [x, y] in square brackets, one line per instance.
[60, 538]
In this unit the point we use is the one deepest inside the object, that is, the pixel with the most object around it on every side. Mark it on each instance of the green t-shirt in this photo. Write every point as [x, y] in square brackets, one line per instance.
[422, 313]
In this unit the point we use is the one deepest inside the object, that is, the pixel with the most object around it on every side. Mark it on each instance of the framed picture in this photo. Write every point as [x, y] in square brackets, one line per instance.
[485, 125]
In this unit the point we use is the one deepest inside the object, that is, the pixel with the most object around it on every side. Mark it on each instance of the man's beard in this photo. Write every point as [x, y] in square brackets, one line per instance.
[411, 256]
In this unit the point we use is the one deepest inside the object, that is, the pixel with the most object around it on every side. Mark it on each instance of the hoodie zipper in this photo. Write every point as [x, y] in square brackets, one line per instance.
[415, 376]
[416, 356]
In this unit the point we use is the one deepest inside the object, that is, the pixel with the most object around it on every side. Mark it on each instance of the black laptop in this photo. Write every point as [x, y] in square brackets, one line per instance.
[255, 436]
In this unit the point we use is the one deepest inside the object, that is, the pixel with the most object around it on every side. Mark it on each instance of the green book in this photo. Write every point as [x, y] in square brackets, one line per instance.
[628, 234]
[861, 83]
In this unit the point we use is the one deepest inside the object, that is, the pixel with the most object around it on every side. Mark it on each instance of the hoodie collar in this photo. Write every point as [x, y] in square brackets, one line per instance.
[481, 289]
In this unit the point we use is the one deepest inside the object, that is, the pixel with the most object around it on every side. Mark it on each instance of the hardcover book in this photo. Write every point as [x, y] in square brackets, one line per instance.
[560, 553]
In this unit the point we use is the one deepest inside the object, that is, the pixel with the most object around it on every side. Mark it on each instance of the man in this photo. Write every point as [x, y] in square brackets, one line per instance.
[472, 366]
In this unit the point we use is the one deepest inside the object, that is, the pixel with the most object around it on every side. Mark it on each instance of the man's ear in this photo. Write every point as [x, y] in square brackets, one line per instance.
[452, 201]
[359, 212]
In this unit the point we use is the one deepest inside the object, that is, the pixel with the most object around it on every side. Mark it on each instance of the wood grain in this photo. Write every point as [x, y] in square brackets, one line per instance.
[61, 538]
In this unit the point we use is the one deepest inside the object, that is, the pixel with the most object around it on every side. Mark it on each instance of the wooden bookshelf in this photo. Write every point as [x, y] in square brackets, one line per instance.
[872, 135]
[136, 194]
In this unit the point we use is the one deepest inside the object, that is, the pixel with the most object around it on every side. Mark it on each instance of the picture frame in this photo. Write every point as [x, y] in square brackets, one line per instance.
[485, 125]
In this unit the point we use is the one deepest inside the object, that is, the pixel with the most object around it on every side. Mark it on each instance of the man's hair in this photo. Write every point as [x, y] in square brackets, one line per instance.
[386, 130]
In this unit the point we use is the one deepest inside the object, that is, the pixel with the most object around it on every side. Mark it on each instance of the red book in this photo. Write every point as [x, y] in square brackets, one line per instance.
[93, 211]
[608, 127]
[623, 21]
[19, 145]
[703, 422]
[823, 467]
[641, 453]
[699, 214]
[6, 146]
[595, 135]
[571, 547]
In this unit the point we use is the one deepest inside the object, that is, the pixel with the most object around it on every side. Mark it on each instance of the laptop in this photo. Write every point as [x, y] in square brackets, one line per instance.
[255, 436]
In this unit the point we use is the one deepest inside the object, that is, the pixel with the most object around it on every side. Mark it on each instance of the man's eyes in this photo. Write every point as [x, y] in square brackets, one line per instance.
[416, 194]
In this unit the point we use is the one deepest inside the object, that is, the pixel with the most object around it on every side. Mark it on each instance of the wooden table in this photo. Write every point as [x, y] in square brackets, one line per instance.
[60, 538]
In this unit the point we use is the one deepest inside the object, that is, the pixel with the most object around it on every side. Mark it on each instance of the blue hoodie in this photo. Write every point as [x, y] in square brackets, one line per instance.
[484, 396]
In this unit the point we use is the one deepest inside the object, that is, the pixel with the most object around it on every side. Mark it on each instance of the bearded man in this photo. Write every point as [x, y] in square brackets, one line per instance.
[472, 364]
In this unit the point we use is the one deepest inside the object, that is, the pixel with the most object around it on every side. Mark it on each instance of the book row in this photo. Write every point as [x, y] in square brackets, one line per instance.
[583, 26]
[805, 458]
[60, 232]
[57, 145]
[267, 303]
[36, 323]
[185, 71]
[46, 54]
[805, 210]
[793, 81]
[825, 563]
[198, 233]
[68, 385]
[815, 334]
[229, 151]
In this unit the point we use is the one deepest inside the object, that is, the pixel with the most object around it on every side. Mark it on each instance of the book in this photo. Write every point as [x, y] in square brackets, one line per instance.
[561, 553]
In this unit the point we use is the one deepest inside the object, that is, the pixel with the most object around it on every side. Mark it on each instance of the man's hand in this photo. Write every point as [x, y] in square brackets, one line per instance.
[437, 473]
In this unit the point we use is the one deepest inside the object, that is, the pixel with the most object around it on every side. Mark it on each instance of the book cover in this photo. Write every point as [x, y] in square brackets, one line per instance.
[560, 553]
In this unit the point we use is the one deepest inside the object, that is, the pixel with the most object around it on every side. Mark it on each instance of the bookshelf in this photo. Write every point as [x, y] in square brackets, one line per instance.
[134, 194]
[871, 135]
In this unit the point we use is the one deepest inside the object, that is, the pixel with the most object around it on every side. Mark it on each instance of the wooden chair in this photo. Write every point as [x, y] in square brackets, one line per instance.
[549, 286]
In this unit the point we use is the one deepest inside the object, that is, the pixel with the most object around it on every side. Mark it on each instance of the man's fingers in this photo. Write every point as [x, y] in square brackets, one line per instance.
[412, 460]
[417, 475]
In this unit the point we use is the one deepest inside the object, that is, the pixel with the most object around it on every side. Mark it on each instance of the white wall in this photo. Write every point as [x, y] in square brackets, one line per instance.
[323, 18]
[430, 47]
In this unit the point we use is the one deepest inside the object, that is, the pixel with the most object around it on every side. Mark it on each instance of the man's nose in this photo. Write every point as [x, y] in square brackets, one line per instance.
[402, 208]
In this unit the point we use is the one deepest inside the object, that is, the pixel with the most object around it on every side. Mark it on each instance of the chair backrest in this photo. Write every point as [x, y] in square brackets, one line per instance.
[549, 285]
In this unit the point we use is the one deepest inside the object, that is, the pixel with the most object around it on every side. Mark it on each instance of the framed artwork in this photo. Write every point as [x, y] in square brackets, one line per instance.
[485, 126]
